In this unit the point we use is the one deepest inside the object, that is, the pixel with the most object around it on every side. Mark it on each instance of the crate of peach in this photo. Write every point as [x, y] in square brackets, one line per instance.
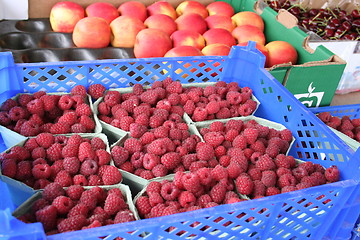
[271, 216]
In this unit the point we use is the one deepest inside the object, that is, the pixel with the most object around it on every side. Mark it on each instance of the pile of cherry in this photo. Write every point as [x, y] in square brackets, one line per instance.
[330, 24]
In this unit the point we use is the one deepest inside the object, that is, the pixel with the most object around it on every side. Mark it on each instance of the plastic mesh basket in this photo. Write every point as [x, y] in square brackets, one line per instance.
[322, 212]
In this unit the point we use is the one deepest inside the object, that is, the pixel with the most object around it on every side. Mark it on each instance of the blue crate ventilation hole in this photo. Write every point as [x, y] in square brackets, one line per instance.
[322, 212]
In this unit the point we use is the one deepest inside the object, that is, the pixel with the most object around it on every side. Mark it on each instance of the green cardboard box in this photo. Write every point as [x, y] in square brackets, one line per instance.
[315, 78]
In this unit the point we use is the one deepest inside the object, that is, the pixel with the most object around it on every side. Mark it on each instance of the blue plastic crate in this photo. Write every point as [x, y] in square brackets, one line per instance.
[351, 110]
[322, 212]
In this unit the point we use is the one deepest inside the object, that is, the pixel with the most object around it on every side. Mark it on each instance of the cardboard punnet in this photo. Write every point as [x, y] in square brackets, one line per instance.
[313, 80]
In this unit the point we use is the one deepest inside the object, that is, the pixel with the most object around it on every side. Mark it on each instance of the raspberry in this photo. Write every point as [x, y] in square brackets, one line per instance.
[38, 152]
[157, 147]
[219, 172]
[71, 165]
[265, 162]
[124, 216]
[205, 151]
[319, 177]
[309, 167]
[96, 90]
[83, 109]
[20, 153]
[170, 160]
[199, 114]
[303, 185]
[47, 216]
[240, 141]
[137, 130]
[233, 97]
[119, 155]
[54, 152]
[214, 138]
[103, 157]
[143, 205]
[112, 98]
[70, 150]
[234, 169]
[29, 128]
[159, 170]
[299, 173]
[52, 191]
[39, 94]
[24, 99]
[191, 182]
[41, 171]
[150, 160]
[89, 167]
[244, 184]
[334, 122]
[149, 96]
[23, 170]
[113, 204]
[16, 113]
[78, 209]
[74, 192]
[103, 109]
[132, 145]
[8, 104]
[111, 175]
[268, 178]
[63, 178]
[89, 199]
[80, 180]
[324, 116]
[72, 223]
[65, 102]
[86, 151]
[270, 191]
[130, 104]
[187, 199]
[251, 134]
[87, 122]
[4, 119]
[63, 204]
[97, 143]
[223, 113]
[45, 140]
[286, 180]
[247, 108]
[78, 100]
[60, 128]
[286, 135]
[169, 191]
[332, 174]
[259, 189]
[78, 90]
[217, 193]
[174, 87]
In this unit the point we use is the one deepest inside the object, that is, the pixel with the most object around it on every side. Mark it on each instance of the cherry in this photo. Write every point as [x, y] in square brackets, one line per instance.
[329, 32]
[348, 17]
[331, 26]
[295, 11]
[346, 25]
[356, 23]
[313, 12]
[355, 13]
[335, 21]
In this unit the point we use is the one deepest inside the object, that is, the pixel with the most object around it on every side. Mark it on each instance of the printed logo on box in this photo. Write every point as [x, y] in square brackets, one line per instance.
[311, 98]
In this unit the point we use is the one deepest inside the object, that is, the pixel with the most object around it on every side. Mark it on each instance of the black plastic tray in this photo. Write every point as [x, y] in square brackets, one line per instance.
[33, 41]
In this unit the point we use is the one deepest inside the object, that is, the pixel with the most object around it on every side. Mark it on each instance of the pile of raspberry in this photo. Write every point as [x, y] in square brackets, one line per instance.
[76, 208]
[65, 160]
[257, 154]
[349, 127]
[217, 101]
[188, 191]
[31, 114]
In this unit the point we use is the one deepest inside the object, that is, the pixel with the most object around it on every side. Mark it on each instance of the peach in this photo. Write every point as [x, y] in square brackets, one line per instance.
[248, 18]
[162, 7]
[247, 33]
[191, 21]
[260, 47]
[124, 30]
[183, 51]
[216, 49]
[281, 52]
[152, 43]
[91, 32]
[162, 22]
[220, 21]
[188, 38]
[220, 8]
[64, 16]
[104, 10]
[133, 9]
[186, 7]
[219, 35]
